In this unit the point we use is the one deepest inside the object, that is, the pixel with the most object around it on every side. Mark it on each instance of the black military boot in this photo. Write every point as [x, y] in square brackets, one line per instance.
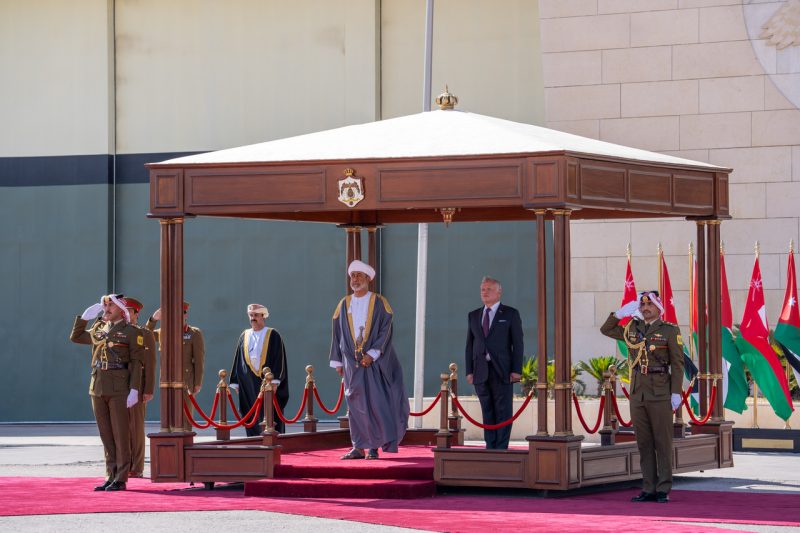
[662, 497]
[644, 497]
[104, 486]
[115, 485]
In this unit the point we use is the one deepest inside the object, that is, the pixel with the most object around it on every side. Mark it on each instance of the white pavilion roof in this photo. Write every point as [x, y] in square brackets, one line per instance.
[429, 134]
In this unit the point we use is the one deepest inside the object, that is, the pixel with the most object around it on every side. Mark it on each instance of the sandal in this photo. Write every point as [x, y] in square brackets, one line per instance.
[355, 453]
[373, 453]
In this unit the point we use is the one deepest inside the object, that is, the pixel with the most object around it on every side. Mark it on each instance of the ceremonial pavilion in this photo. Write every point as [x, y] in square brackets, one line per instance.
[444, 166]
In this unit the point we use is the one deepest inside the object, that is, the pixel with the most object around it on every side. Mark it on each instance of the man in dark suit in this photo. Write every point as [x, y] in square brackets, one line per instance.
[494, 360]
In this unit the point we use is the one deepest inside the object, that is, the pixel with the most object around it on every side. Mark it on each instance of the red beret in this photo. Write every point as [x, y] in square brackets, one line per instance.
[133, 303]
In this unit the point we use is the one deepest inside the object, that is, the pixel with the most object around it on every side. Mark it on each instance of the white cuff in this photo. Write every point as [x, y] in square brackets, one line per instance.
[374, 353]
[276, 382]
[336, 364]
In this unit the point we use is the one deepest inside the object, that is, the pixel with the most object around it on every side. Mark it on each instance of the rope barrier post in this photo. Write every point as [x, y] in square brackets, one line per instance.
[310, 421]
[454, 418]
[222, 391]
[443, 436]
[608, 433]
[269, 435]
[613, 385]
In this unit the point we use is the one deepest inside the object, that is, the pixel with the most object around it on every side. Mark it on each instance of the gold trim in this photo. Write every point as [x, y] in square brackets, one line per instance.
[542, 212]
[774, 444]
[172, 385]
[541, 386]
[263, 358]
[562, 386]
[368, 325]
[353, 229]
[565, 212]
[714, 222]
[173, 220]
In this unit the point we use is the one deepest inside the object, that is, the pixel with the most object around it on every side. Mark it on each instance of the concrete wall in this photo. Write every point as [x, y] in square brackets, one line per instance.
[99, 88]
[690, 78]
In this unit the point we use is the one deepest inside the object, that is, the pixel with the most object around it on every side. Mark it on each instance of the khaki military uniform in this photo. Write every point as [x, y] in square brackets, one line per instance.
[117, 355]
[193, 360]
[136, 414]
[656, 375]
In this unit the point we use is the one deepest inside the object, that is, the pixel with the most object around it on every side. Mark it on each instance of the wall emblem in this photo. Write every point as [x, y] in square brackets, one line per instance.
[351, 188]
[774, 31]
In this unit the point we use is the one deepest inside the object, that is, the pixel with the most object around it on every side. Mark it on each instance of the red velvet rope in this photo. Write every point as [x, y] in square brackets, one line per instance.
[233, 405]
[338, 401]
[431, 406]
[191, 418]
[616, 410]
[252, 413]
[696, 420]
[580, 415]
[491, 426]
[299, 411]
[625, 392]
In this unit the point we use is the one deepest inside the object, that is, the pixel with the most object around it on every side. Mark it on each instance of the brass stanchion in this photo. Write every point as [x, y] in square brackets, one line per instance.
[222, 390]
[269, 435]
[310, 421]
[443, 436]
[455, 419]
[608, 433]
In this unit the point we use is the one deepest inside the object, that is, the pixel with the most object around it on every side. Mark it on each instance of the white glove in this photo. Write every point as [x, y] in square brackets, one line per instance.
[133, 397]
[627, 310]
[92, 311]
[234, 386]
[675, 400]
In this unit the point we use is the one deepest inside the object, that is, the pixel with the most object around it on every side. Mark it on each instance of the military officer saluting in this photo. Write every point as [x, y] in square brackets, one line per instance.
[655, 356]
[193, 357]
[136, 414]
[117, 354]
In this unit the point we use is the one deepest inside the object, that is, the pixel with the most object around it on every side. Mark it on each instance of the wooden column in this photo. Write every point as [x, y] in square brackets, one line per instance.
[353, 248]
[714, 316]
[172, 385]
[563, 330]
[372, 254]
[541, 311]
[702, 347]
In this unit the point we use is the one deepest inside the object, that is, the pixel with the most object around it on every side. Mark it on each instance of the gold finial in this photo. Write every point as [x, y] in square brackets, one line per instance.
[446, 100]
[628, 251]
[691, 249]
[660, 249]
[791, 246]
[447, 214]
[757, 249]
[722, 247]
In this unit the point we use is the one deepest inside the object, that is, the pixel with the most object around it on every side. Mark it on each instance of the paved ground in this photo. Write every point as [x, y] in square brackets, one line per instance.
[74, 450]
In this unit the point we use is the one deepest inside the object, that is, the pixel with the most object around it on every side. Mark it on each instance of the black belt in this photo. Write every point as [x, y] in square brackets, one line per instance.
[105, 365]
[652, 369]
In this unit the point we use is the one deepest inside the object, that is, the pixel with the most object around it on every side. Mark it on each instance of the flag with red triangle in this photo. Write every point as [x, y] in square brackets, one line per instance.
[757, 353]
[787, 332]
[734, 382]
[628, 295]
[666, 294]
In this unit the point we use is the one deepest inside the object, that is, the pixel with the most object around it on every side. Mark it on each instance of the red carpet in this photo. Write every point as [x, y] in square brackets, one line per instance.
[321, 474]
[604, 512]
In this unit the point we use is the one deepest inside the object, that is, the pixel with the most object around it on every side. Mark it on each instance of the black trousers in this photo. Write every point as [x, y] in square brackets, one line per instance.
[496, 396]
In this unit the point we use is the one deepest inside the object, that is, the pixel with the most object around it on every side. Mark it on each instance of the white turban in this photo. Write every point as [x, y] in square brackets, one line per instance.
[258, 308]
[360, 266]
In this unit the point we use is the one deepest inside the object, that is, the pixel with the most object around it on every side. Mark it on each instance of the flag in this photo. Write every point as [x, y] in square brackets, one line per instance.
[689, 368]
[757, 353]
[787, 332]
[628, 295]
[666, 294]
[734, 381]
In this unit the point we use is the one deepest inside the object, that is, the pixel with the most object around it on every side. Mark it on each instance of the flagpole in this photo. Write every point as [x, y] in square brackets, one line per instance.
[660, 270]
[691, 301]
[628, 254]
[755, 385]
[785, 355]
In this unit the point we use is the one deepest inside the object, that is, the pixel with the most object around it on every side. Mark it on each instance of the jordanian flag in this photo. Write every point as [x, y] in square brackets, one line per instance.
[757, 353]
[690, 370]
[787, 333]
[629, 295]
[734, 381]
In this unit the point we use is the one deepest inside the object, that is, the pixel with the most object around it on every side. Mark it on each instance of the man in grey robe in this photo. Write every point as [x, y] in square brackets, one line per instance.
[362, 352]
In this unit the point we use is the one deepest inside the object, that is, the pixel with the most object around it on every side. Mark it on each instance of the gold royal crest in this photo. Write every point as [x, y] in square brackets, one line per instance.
[351, 190]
